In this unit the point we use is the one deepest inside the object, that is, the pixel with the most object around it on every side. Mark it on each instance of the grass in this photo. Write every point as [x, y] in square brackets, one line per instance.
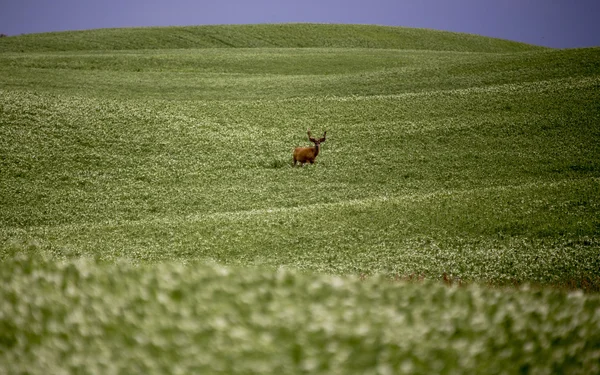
[259, 36]
[128, 169]
[107, 318]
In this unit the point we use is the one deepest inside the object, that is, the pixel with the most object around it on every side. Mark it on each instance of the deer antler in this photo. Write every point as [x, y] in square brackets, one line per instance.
[309, 137]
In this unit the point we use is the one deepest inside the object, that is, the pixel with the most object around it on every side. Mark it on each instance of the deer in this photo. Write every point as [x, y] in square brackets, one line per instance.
[308, 154]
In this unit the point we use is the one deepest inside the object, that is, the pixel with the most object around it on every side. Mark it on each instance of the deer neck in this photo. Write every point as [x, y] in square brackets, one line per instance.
[317, 148]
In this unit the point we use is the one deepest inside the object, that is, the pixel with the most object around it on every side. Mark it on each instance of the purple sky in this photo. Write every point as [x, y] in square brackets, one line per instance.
[552, 23]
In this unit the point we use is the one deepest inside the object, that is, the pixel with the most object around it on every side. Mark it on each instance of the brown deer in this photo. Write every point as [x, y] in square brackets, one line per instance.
[308, 154]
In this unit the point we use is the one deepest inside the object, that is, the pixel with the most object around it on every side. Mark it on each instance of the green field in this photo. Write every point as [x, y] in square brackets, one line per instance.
[151, 220]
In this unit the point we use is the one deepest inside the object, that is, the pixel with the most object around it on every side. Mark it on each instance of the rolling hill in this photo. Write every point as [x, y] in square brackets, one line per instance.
[260, 36]
[150, 215]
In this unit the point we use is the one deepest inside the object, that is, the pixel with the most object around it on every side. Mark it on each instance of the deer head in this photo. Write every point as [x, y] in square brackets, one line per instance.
[315, 141]
[308, 154]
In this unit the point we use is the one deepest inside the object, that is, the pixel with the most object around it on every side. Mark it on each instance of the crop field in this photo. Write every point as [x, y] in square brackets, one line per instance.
[151, 220]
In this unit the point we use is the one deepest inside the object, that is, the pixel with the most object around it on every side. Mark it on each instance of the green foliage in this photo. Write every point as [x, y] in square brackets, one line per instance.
[260, 36]
[172, 169]
[82, 316]
[480, 181]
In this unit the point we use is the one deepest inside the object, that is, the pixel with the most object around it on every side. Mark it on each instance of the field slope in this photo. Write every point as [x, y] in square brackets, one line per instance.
[152, 167]
[260, 36]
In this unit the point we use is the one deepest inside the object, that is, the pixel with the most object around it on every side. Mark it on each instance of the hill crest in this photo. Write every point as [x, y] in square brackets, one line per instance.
[287, 35]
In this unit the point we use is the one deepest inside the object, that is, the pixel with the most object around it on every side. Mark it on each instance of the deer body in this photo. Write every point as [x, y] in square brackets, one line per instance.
[308, 154]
